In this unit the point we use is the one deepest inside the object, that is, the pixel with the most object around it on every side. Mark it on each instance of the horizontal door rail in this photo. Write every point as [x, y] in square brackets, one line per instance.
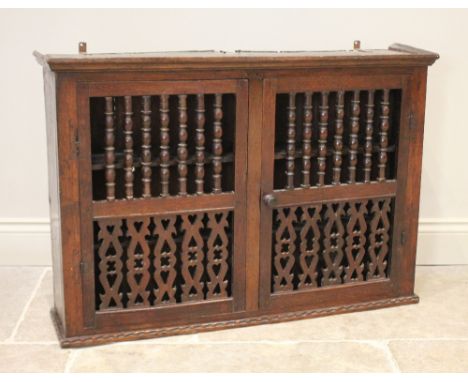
[343, 81]
[342, 294]
[164, 206]
[332, 193]
[162, 315]
[140, 88]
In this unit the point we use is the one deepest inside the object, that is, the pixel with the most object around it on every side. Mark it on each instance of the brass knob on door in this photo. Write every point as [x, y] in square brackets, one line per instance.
[270, 200]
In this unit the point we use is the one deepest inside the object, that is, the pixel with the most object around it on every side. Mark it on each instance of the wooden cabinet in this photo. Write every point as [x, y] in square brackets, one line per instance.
[201, 191]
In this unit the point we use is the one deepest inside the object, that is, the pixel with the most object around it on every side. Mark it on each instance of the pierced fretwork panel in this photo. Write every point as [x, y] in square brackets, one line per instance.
[330, 244]
[162, 145]
[335, 137]
[154, 260]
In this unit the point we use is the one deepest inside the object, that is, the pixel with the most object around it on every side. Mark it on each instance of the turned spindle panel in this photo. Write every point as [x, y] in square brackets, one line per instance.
[336, 137]
[330, 144]
[162, 145]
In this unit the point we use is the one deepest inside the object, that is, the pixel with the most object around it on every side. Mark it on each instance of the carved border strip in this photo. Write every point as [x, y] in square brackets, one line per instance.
[99, 339]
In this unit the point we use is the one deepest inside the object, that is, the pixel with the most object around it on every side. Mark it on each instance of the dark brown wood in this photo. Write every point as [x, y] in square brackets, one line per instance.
[291, 145]
[257, 212]
[338, 139]
[165, 260]
[70, 179]
[182, 151]
[384, 127]
[379, 239]
[322, 140]
[306, 140]
[138, 262]
[110, 264]
[98, 160]
[309, 249]
[144, 87]
[353, 138]
[87, 239]
[153, 206]
[192, 259]
[220, 324]
[369, 132]
[285, 238]
[333, 243]
[200, 142]
[340, 81]
[128, 152]
[399, 55]
[266, 185]
[146, 146]
[217, 255]
[409, 182]
[252, 222]
[217, 143]
[240, 246]
[335, 193]
[355, 242]
[165, 155]
[110, 150]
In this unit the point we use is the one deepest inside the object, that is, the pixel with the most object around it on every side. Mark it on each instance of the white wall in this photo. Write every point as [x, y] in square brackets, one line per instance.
[24, 232]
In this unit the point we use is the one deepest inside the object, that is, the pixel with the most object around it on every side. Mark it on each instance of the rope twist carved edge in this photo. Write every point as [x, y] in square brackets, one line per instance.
[97, 339]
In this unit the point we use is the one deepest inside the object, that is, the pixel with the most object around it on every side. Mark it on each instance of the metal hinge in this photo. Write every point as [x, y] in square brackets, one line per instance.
[77, 143]
[256, 76]
[82, 267]
[403, 238]
[411, 121]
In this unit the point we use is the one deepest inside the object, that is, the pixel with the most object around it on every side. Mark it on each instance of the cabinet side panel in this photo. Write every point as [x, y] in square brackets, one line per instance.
[54, 195]
[68, 153]
[409, 179]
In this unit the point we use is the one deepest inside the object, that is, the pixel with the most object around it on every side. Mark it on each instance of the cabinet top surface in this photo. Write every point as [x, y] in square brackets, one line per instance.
[395, 55]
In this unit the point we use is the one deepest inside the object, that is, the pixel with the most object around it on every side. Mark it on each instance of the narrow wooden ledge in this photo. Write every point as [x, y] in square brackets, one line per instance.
[103, 338]
[163, 206]
[412, 50]
[398, 55]
[331, 193]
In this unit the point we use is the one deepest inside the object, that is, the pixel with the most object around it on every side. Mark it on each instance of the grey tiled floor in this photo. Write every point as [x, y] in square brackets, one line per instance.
[430, 336]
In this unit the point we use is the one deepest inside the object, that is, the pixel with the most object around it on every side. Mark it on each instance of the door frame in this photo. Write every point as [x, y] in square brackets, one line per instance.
[401, 256]
[174, 314]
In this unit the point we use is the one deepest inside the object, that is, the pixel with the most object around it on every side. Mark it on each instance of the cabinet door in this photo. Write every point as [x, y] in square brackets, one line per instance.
[162, 194]
[333, 145]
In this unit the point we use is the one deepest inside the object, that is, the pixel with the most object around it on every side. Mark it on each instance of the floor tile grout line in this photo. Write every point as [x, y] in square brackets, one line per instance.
[391, 358]
[27, 343]
[355, 340]
[426, 339]
[71, 360]
[14, 332]
[197, 341]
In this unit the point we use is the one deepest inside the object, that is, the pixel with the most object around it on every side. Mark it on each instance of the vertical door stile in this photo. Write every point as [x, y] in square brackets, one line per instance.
[256, 113]
[240, 245]
[87, 265]
[267, 171]
[335, 230]
[163, 188]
